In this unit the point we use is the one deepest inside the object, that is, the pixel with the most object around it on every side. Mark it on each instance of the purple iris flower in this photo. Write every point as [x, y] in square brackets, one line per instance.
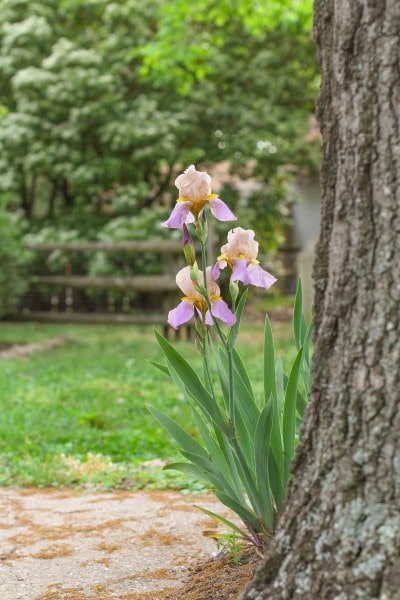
[240, 253]
[194, 192]
[193, 303]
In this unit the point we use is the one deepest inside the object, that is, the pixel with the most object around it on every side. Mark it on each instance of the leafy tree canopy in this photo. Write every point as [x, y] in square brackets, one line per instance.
[189, 33]
[101, 102]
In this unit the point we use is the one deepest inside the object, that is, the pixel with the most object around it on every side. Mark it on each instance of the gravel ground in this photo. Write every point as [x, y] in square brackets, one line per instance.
[65, 544]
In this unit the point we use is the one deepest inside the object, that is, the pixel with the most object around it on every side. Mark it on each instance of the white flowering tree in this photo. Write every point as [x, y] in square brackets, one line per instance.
[91, 108]
[75, 117]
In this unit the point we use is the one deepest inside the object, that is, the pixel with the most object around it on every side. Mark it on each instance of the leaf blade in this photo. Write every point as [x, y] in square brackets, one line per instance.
[193, 384]
[299, 322]
[289, 415]
[262, 438]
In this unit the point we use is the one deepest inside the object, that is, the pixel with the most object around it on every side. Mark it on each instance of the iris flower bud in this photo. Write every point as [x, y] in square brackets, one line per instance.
[188, 246]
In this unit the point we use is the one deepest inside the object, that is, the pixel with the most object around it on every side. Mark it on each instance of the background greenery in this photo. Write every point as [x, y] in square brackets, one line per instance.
[14, 259]
[100, 101]
[81, 418]
[101, 104]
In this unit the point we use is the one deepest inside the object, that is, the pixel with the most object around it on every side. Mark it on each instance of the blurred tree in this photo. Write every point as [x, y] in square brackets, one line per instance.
[14, 260]
[101, 101]
[251, 67]
[78, 117]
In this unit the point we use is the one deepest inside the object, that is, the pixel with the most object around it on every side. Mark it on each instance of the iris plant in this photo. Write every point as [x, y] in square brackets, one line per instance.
[247, 444]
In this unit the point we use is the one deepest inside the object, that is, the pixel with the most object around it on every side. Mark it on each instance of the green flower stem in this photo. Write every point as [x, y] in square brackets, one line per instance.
[207, 367]
[231, 410]
[204, 267]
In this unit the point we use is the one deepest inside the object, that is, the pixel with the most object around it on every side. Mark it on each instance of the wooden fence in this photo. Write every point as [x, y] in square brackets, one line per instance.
[157, 293]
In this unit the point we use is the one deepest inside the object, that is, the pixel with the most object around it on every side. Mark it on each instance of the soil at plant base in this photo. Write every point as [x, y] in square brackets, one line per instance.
[218, 579]
[60, 544]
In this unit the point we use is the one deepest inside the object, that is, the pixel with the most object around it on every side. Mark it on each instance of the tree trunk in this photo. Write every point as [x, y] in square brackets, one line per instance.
[52, 199]
[28, 193]
[339, 536]
[69, 200]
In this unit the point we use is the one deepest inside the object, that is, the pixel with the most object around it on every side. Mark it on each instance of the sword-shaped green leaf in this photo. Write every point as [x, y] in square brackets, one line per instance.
[262, 439]
[269, 362]
[299, 322]
[248, 517]
[188, 468]
[222, 460]
[193, 384]
[271, 393]
[160, 367]
[185, 440]
[275, 481]
[289, 416]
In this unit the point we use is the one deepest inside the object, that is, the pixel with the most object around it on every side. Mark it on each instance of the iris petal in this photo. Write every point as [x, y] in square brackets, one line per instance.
[189, 218]
[209, 319]
[220, 210]
[181, 314]
[179, 216]
[219, 265]
[259, 277]
[240, 271]
[221, 310]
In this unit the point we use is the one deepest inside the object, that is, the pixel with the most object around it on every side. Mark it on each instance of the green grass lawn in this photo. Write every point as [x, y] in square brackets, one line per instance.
[77, 414]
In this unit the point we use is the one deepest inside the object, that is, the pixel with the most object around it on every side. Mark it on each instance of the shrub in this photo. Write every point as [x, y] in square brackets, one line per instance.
[14, 261]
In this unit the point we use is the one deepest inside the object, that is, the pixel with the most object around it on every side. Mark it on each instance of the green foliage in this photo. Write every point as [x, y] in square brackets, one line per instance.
[89, 398]
[80, 123]
[77, 416]
[100, 102]
[255, 64]
[247, 446]
[191, 33]
[14, 260]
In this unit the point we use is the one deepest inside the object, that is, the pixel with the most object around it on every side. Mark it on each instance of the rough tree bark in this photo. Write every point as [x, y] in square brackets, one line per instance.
[339, 536]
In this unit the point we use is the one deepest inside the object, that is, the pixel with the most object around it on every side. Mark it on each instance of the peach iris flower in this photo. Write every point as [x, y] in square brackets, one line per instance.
[240, 254]
[193, 303]
[194, 192]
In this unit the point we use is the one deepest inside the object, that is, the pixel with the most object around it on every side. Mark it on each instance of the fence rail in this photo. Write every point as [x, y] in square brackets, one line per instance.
[64, 304]
[91, 317]
[140, 283]
[152, 245]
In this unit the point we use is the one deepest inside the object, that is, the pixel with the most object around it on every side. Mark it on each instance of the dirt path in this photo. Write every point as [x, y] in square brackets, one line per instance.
[66, 545]
[11, 351]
